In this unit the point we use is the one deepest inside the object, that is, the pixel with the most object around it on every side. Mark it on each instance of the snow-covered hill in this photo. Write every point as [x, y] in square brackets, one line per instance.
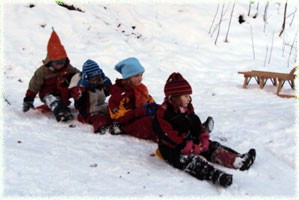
[42, 158]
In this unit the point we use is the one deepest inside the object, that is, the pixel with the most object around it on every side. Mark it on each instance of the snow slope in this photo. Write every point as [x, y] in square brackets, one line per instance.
[42, 158]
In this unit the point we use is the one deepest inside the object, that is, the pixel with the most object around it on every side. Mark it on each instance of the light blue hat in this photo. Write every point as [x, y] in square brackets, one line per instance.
[129, 67]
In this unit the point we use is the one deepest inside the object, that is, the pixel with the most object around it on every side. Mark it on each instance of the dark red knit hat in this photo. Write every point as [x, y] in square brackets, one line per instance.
[55, 49]
[176, 85]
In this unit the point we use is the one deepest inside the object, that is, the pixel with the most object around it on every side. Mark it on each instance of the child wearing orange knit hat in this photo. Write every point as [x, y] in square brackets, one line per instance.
[50, 81]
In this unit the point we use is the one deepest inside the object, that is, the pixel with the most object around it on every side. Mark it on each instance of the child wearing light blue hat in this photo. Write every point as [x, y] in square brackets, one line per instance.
[130, 103]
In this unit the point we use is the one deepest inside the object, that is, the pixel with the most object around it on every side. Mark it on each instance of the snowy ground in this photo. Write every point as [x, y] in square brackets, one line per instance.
[42, 158]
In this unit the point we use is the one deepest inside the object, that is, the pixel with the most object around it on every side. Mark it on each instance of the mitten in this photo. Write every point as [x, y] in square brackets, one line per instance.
[204, 141]
[83, 82]
[27, 103]
[150, 108]
[188, 149]
[197, 149]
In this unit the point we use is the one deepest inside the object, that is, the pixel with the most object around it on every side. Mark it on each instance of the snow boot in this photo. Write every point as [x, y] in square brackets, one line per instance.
[244, 161]
[201, 169]
[116, 129]
[104, 130]
[61, 112]
[209, 124]
[222, 178]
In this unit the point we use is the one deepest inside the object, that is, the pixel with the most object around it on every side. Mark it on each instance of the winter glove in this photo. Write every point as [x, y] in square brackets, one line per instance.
[83, 82]
[204, 141]
[27, 103]
[197, 149]
[150, 108]
[188, 149]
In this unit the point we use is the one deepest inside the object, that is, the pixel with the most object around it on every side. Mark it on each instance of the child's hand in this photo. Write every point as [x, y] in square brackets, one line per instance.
[204, 141]
[27, 106]
[197, 148]
[188, 149]
[150, 108]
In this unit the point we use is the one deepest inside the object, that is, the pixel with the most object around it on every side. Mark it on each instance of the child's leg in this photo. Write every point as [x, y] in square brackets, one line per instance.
[201, 169]
[228, 157]
[61, 112]
[100, 123]
[141, 128]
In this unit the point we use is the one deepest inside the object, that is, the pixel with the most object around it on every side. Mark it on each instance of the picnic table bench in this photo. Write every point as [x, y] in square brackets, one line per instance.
[261, 78]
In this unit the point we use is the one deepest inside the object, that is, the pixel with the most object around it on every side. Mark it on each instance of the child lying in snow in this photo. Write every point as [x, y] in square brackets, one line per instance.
[89, 90]
[184, 141]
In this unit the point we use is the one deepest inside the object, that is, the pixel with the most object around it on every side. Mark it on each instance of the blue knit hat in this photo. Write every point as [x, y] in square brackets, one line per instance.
[92, 69]
[129, 67]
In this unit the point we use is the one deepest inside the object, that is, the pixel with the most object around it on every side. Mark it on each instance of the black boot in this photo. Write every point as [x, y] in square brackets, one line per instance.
[103, 130]
[61, 112]
[247, 159]
[221, 178]
[202, 170]
[116, 129]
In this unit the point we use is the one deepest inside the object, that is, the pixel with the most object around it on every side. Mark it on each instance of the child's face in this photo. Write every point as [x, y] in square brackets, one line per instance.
[58, 64]
[136, 80]
[185, 100]
[95, 80]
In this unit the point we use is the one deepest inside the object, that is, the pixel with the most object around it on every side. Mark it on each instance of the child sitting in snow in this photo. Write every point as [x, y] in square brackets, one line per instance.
[89, 90]
[130, 103]
[184, 141]
[51, 80]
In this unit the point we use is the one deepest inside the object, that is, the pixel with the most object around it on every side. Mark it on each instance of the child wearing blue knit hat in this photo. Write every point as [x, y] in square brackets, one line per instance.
[130, 103]
[89, 90]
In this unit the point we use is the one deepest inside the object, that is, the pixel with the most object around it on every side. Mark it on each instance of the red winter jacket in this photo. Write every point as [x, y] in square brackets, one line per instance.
[122, 103]
[122, 109]
[173, 128]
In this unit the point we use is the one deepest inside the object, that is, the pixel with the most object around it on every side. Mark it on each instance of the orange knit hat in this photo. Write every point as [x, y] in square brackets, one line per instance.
[55, 49]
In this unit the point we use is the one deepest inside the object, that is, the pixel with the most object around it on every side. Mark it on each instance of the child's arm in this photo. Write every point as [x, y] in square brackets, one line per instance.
[34, 87]
[165, 131]
[120, 113]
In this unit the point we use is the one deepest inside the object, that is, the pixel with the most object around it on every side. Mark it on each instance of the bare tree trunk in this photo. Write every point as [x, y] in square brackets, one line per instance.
[271, 49]
[284, 18]
[249, 9]
[220, 22]
[293, 17]
[265, 61]
[257, 10]
[283, 45]
[230, 20]
[252, 42]
[214, 17]
[292, 48]
[265, 15]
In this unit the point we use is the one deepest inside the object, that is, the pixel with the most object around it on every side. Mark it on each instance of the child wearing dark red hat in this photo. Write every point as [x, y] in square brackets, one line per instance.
[51, 81]
[183, 141]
